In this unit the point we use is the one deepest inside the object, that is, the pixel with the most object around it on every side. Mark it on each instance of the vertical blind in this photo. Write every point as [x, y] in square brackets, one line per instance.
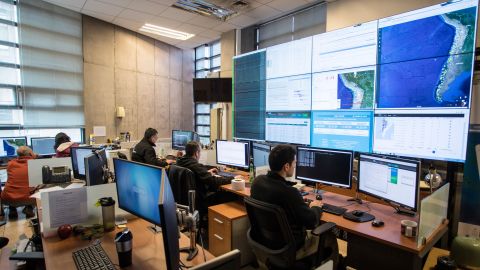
[307, 22]
[51, 62]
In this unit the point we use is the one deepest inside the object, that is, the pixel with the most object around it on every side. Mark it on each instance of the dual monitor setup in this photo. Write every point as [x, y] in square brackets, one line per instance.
[43, 146]
[392, 179]
[89, 164]
[145, 191]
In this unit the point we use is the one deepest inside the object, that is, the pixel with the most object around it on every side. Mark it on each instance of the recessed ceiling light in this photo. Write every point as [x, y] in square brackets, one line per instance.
[213, 8]
[166, 32]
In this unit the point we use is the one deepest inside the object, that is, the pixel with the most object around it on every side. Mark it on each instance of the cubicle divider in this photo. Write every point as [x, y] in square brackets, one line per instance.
[35, 168]
[433, 212]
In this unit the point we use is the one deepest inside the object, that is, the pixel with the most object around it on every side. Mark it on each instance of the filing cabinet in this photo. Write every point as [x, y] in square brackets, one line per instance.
[227, 230]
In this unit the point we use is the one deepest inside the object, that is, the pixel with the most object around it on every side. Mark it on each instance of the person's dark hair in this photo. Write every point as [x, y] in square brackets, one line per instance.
[191, 148]
[149, 133]
[60, 138]
[281, 155]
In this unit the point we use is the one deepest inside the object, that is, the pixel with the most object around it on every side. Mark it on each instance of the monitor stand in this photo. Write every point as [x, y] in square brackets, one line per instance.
[154, 229]
[406, 212]
[357, 199]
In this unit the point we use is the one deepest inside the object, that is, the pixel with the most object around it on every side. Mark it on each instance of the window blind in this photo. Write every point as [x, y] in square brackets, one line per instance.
[50, 39]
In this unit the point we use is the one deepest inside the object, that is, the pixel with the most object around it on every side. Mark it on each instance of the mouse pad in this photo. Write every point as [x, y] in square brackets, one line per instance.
[364, 218]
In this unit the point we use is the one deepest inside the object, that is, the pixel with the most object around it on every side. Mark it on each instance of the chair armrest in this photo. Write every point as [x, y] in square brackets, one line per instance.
[27, 256]
[323, 228]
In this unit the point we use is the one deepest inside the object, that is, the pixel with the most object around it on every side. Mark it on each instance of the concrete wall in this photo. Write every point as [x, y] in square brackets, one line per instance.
[150, 79]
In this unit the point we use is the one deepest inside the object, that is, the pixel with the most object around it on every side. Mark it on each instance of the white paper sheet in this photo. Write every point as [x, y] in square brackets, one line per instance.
[99, 131]
[66, 206]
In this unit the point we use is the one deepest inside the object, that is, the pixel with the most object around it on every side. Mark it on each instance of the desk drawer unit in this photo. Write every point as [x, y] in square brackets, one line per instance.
[227, 230]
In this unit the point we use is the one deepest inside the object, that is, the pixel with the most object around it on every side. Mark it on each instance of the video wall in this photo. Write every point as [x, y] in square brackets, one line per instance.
[399, 85]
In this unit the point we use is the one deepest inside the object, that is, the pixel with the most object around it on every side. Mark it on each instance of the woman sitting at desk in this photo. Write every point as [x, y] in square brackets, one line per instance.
[62, 145]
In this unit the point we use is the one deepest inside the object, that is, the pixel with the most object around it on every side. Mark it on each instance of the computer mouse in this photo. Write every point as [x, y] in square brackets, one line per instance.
[319, 197]
[377, 223]
[357, 213]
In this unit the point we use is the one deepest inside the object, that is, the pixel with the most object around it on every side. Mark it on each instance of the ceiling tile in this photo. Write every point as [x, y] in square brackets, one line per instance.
[121, 3]
[264, 1]
[101, 7]
[190, 28]
[69, 7]
[127, 23]
[101, 16]
[73, 3]
[210, 34]
[224, 27]
[286, 5]
[147, 7]
[263, 13]
[177, 14]
[204, 21]
[135, 16]
[164, 2]
[164, 22]
[241, 20]
[251, 5]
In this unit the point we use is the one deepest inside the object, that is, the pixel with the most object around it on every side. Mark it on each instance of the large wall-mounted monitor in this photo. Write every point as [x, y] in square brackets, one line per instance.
[391, 179]
[233, 153]
[9, 145]
[324, 166]
[212, 90]
[138, 188]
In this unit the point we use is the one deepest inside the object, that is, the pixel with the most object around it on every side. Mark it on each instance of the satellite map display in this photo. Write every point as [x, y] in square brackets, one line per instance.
[436, 73]
[355, 89]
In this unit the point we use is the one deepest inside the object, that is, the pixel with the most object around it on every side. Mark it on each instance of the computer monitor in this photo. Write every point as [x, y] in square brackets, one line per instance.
[261, 152]
[138, 188]
[324, 166]
[43, 146]
[228, 261]
[233, 153]
[78, 154]
[392, 179]
[96, 169]
[9, 145]
[168, 214]
[180, 138]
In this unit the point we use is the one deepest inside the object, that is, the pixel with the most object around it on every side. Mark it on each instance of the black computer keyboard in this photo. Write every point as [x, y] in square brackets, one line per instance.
[92, 257]
[332, 209]
[226, 174]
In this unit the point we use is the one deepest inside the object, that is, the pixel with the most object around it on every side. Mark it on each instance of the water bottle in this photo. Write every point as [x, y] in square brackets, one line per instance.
[252, 170]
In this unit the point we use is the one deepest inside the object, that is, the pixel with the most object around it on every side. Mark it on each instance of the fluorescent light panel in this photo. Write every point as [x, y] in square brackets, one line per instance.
[166, 32]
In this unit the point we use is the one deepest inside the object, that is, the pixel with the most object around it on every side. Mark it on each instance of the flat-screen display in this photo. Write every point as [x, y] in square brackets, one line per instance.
[78, 155]
[96, 168]
[138, 188]
[289, 93]
[43, 146]
[344, 130]
[288, 127]
[391, 179]
[289, 59]
[233, 153]
[212, 90]
[324, 166]
[9, 145]
[261, 152]
[180, 138]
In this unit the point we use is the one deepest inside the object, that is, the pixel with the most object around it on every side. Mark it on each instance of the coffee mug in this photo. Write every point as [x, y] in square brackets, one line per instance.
[409, 228]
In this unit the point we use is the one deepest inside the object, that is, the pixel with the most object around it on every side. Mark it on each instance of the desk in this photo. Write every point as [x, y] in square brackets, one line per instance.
[370, 247]
[148, 252]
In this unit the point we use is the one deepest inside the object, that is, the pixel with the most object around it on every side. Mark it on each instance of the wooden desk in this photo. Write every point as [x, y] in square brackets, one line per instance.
[148, 252]
[370, 247]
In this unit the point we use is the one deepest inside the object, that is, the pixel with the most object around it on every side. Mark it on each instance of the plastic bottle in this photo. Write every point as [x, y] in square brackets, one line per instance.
[92, 139]
[252, 170]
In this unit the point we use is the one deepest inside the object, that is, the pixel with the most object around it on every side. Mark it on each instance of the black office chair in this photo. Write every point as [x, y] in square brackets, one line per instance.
[227, 261]
[182, 180]
[273, 243]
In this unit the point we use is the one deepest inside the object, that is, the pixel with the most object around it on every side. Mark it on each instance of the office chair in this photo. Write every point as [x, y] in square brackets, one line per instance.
[122, 156]
[273, 243]
[3, 240]
[181, 180]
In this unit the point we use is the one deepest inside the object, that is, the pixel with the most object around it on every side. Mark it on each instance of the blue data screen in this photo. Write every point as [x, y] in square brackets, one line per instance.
[345, 130]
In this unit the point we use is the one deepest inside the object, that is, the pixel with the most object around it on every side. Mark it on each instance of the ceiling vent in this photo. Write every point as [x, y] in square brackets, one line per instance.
[217, 9]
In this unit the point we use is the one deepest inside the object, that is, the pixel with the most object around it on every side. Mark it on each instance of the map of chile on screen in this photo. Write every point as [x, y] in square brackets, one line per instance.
[427, 62]
[355, 89]
[10, 146]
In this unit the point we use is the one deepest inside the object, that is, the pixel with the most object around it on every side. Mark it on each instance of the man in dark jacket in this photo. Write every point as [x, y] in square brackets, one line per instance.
[144, 151]
[206, 180]
[274, 189]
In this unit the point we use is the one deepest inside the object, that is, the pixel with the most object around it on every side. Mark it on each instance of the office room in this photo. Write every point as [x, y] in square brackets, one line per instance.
[113, 111]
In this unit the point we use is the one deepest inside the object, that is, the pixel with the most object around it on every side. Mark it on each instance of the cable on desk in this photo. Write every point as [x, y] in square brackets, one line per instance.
[203, 249]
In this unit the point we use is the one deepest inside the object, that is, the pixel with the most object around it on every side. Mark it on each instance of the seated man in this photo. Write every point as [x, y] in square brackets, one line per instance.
[16, 189]
[206, 180]
[274, 189]
[144, 151]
